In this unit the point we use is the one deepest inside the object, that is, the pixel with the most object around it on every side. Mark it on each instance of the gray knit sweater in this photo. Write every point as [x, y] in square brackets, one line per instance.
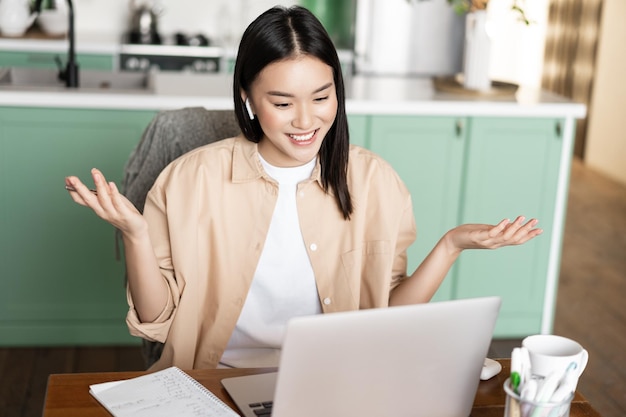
[170, 134]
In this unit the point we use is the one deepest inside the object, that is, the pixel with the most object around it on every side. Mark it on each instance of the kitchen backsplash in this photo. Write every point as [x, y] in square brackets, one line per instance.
[220, 20]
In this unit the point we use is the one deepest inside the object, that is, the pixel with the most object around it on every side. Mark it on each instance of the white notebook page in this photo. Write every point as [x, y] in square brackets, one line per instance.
[170, 392]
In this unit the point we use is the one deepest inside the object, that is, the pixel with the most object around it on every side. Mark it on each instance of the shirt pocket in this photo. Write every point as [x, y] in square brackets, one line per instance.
[368, 271]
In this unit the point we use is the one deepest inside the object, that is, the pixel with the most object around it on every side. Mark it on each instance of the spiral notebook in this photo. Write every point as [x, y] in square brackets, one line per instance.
[170, 392]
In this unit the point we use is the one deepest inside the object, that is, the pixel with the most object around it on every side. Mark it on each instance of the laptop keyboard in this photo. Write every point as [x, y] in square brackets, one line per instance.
[262, 409]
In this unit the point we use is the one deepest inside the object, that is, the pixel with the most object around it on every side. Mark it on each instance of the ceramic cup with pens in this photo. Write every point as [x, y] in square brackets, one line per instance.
[517, 406]
[552, 353]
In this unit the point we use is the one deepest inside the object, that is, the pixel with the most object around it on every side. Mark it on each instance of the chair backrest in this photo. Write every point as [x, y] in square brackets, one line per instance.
[170, 134]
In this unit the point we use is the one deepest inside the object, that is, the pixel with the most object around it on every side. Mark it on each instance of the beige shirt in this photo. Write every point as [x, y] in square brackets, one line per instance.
[209, 213]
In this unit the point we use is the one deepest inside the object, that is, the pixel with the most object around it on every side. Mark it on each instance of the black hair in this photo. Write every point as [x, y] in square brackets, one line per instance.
[281, 33]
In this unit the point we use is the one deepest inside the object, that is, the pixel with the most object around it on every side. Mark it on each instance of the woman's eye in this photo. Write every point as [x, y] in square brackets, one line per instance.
[321, 98]
[281, 105]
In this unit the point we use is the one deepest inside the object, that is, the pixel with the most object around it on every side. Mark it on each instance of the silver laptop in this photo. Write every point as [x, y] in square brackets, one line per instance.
[419, 360]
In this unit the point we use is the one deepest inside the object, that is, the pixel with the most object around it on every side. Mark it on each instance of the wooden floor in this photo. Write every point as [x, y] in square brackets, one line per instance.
[590, 309]
[592, 288]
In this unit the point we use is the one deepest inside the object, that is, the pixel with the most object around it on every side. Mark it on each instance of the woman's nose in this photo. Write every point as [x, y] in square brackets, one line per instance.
[303, 118]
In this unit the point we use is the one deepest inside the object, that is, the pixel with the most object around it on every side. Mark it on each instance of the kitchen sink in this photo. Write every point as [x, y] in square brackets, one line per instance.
[32, 79]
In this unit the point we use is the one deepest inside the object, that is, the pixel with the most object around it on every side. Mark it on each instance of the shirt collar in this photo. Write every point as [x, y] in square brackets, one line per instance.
[247, 165]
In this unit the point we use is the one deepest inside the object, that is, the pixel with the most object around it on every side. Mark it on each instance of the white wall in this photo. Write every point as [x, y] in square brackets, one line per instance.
[606, 134]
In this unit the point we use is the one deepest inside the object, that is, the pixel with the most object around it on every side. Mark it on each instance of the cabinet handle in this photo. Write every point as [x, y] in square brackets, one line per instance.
[458, 128]
[558, 129]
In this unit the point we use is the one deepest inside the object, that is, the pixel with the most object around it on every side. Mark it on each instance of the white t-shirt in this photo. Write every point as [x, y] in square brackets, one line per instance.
[284, 284]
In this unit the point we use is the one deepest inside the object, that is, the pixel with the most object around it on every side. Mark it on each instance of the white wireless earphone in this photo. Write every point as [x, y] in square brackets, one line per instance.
[250, 113]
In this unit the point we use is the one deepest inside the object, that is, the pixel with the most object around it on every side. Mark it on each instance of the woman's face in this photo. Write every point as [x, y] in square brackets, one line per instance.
[296, 103]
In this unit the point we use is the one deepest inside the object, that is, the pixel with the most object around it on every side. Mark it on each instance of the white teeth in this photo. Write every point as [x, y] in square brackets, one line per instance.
[302, 137]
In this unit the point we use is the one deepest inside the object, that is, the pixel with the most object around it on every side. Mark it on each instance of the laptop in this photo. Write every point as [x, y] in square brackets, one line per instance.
[417, 360]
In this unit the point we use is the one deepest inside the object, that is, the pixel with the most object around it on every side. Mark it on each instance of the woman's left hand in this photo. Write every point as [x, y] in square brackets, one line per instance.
[423, 283]
[485, 236]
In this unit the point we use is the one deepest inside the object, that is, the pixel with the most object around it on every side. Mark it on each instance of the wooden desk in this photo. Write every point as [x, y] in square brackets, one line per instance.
[68, 395]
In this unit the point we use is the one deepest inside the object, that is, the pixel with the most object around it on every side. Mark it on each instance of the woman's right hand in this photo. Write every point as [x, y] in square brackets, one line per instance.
[149, 292]
[108, 203]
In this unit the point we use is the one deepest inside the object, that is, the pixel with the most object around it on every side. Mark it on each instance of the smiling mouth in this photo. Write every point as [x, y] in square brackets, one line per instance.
[305, 137]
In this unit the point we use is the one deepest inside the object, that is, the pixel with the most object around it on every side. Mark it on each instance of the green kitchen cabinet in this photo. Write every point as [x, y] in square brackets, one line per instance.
[60, 281]
[427, 153]
[512, 168]
[47, 60]
[358, 126]
[62, 284]
[480, 170]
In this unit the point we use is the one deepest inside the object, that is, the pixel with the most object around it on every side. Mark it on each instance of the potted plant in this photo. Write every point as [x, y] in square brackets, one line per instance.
[467, 6]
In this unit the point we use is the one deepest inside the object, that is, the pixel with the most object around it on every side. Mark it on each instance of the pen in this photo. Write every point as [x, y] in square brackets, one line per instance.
[529, 391]
[566, 384]
[549, 385]
[68, 188]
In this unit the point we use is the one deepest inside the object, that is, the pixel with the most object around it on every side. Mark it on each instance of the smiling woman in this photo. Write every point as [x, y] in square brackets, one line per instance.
[286, 219]
[269, 40]
[296, 104]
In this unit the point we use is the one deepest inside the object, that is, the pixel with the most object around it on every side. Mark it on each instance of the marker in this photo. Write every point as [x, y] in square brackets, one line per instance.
[525, 364]
[515, 381]
[516, 369]
[530, 390]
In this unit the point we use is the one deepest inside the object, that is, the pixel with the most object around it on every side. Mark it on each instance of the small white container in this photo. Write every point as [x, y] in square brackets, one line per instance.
[15, 17]
[53, 22]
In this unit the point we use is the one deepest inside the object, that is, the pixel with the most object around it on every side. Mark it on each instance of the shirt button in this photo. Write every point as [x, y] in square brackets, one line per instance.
[313, 247]
[327, 301]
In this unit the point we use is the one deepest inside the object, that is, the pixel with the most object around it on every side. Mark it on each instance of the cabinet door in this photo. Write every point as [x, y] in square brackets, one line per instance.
[512, 169]
[47, 60]
[61, 282]
[358, 125]
[427, 153]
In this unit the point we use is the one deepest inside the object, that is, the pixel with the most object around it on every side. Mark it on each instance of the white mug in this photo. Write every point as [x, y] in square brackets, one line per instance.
[551, 353]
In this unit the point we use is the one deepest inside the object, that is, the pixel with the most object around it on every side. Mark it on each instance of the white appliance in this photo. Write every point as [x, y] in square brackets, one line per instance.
[408, 37]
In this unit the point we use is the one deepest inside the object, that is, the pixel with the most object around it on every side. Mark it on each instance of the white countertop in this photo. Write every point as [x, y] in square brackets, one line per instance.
[364, 95]
[86, 43]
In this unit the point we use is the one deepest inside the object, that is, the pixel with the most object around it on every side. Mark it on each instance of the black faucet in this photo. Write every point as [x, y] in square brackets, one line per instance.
[70, 73]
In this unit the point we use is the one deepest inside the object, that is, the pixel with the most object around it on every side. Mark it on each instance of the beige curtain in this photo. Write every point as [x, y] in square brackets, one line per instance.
[570, 54]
